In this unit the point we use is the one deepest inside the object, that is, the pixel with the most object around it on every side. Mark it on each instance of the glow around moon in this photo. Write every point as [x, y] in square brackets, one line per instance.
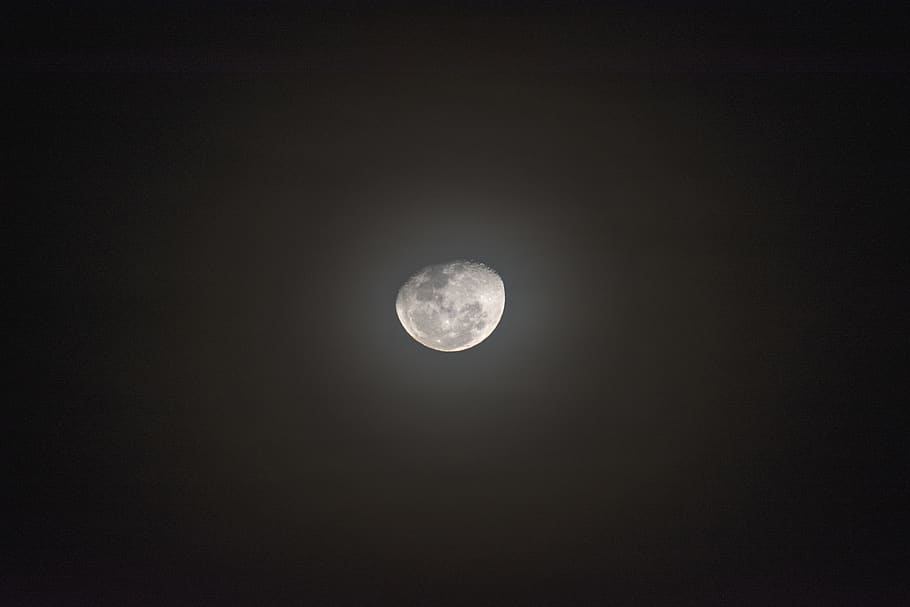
[451, 306]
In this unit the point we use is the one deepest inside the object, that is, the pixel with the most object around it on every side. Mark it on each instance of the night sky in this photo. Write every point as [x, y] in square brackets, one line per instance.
[697, 393]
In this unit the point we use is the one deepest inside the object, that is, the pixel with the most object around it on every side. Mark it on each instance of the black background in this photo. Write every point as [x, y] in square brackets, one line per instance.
[697, 392]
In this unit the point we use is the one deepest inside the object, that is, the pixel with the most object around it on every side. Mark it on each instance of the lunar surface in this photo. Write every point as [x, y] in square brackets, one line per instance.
[451, 306]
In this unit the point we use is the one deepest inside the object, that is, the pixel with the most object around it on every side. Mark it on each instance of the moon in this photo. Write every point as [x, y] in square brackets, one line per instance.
[451, 306]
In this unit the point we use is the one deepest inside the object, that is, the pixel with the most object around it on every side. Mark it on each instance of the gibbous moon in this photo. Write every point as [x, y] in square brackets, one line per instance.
[451, 306]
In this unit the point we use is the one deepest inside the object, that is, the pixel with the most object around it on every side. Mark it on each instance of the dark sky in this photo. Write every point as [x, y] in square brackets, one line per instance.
[697, 393]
